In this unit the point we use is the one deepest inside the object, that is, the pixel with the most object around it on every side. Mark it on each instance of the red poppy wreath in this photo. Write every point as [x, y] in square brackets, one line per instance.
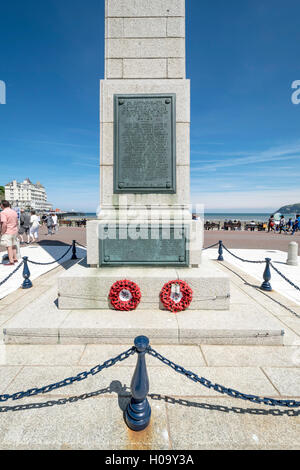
[176, 296]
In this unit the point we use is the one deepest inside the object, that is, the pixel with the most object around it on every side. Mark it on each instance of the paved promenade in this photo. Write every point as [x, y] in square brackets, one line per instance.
[232, 239]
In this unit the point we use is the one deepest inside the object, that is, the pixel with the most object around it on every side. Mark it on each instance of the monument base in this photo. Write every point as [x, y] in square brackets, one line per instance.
[83, 287]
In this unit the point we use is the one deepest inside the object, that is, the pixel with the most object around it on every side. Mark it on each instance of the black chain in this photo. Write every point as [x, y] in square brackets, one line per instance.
[11, 274]
[52, 262]
[241, 259]
[212, 246]
[284, 277]
[70, 380]
[220, 388]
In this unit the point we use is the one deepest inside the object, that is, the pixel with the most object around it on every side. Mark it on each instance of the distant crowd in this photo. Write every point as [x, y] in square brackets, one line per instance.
[17, 224]
[286, 226]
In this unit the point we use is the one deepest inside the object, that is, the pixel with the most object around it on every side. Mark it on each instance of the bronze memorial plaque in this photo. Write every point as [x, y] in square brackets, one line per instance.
[145, 143]
[158, 245]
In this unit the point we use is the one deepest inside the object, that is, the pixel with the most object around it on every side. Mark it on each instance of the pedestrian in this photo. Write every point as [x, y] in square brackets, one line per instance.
[49, 222]
[296, 225]
[9, 232]
[289, 225]
[55, 222]
[271, 223]
[34, 227]
[282, 224]
[24, 225]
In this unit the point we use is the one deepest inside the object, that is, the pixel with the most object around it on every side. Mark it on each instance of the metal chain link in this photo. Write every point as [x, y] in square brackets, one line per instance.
[220, 388]
[52, 262]
[284, 277]
[212, 246]
[241, 259]
[70, 380]
[11, 274]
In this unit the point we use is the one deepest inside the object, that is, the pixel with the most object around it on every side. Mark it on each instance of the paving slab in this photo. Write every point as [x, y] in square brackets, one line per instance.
[40, 354]
[203, 424]
[286, 380]
[7, 375]
[86, 424]
[247, 356]
[249, 380]
[186, 356]
[294, 325]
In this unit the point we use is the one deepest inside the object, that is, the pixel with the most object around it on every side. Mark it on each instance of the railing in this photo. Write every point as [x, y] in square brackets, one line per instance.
[27, 284]
[138, 411]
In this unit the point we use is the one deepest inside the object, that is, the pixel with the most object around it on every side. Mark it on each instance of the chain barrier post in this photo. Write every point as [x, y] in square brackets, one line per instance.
[267, 277]
[27, 284]
[138, 411]
[292, 259]
[74, 255]
[220, 251]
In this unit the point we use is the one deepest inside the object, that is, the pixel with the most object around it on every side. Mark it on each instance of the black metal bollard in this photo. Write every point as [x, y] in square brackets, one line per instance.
[138, 411]
[26, 274]
[267, 277]
[74, 256]
[220, 251]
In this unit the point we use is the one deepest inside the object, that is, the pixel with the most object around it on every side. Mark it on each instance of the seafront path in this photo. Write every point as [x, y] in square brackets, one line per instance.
[185, 415]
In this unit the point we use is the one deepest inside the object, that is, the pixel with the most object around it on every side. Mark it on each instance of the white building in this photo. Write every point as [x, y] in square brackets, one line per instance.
[27, 195]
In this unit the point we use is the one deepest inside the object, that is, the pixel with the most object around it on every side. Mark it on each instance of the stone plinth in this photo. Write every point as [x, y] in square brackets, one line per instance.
[81, 287]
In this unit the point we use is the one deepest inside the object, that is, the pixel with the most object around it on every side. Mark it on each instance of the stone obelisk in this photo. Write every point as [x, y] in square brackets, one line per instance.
[144, 231]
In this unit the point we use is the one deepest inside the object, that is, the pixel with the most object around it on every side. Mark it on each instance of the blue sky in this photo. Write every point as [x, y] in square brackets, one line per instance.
[242, 58]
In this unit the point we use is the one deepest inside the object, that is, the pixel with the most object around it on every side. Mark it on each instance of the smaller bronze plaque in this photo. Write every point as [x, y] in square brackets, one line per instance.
[145, 143]
[154, 245]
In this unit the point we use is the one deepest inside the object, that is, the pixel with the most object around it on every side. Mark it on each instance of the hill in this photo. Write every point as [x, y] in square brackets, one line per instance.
[290, 209]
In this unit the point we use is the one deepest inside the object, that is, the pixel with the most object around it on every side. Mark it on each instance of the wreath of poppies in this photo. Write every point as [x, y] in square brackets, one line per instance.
[125, 295]
[176, 296]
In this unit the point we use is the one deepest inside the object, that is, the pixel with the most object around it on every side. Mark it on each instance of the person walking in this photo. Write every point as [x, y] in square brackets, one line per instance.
[9, 231]
[24, 226]
[289, 225]
[55, 223]
[282, 224]
[271, 223]
[49, 222]
[34, 227]
[296, 226]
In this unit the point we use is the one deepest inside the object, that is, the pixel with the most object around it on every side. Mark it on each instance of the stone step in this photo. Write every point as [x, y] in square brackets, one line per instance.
[43, 323]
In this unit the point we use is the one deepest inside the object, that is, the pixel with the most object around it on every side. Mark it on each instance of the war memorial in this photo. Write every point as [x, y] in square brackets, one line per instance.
[146, 279]
[145, 232]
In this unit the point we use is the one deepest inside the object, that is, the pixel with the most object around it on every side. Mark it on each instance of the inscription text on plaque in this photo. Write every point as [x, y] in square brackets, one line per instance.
[145, 143]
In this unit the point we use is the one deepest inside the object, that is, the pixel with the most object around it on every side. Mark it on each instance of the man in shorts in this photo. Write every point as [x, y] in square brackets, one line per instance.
[9, 231]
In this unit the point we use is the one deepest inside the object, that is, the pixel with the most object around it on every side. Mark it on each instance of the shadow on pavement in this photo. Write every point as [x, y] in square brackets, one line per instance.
[124, 397]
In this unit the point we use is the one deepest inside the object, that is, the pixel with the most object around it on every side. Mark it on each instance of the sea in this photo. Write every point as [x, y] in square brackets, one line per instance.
[223, 216]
